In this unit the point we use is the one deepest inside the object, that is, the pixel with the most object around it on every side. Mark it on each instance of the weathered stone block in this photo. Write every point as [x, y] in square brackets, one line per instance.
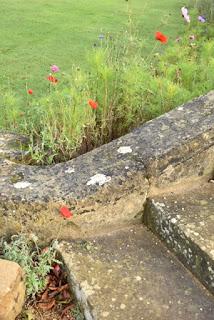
[185, 222]
[12, 290]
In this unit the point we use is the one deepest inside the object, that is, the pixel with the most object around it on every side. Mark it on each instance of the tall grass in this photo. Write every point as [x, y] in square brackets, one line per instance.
[205, 8]
[128, 87]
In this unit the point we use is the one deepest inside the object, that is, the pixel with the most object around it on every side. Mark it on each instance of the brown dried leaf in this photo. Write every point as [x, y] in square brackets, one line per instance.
[44, 296]
[47, 305]
[69, 307]
[66, 294]
[59, 289]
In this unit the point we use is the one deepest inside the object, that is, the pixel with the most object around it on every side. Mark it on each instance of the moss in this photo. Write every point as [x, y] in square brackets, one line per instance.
[16, 177]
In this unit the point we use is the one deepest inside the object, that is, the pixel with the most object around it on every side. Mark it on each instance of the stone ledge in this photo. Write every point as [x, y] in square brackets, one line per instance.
[185, 222]
[175, 146]
[129, 274]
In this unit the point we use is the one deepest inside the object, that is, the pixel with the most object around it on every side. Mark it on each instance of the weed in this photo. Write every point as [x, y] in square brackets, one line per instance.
[77, 313]
[35, 262]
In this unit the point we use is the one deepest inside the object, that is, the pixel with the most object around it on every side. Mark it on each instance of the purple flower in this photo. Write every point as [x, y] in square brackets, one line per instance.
[201, 19]
[101, 36]
[54, 68]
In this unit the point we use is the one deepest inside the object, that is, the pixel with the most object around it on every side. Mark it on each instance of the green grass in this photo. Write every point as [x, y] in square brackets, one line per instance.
[38, 33]
[131, 76]
[205, 7]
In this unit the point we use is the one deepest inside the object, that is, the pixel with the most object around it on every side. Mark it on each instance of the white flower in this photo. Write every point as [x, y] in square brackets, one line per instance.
[185, 14]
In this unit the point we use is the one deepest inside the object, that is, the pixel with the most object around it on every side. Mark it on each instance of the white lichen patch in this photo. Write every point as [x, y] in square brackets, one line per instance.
[70, 170]
[88, 290]
[22, 185]
[96, 287]
[98, 179]
[161, 204]
[105, 314]
[138, 278]
[124, 150]
[181, 108]
[212, 253]
[173, 220]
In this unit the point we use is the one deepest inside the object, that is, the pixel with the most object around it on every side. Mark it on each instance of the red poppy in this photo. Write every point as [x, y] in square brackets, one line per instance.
[30, 91]
[161, 37]
[65, 212]
[93, 104]
[52, 79]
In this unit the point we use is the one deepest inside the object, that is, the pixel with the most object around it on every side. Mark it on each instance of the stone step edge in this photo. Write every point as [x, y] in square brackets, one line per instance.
[187, 251]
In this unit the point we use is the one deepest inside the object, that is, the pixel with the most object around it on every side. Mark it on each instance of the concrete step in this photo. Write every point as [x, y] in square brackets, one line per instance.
[129, 274]
[185, 221]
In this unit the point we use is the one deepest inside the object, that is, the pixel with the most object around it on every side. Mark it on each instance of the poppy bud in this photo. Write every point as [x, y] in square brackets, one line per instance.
[30, 91]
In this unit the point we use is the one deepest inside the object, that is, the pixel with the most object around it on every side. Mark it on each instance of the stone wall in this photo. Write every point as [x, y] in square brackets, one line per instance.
[110, 184]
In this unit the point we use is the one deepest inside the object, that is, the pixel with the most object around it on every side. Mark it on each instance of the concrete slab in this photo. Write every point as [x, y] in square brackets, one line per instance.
[186, 223]
[129, 274]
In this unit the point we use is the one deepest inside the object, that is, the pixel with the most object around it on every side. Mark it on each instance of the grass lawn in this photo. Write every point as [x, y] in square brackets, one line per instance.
[37, 33]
